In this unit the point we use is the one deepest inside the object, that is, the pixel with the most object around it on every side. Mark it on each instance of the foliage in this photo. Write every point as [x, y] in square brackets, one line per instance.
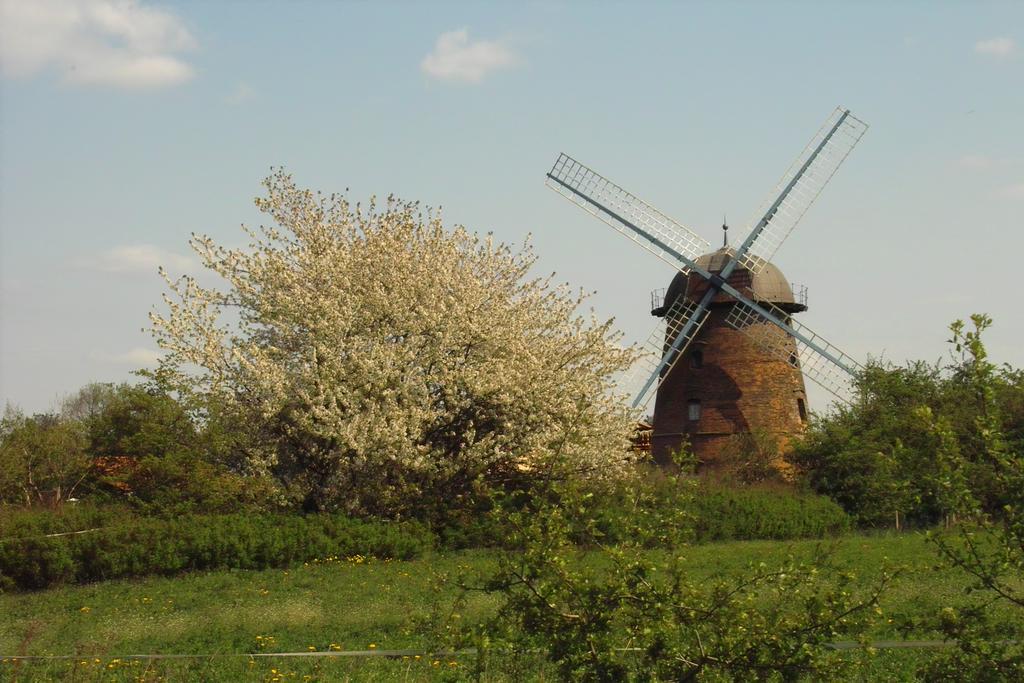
[990, 547]
[752, 457]
[19, 522]
[716, 512]
[42, 458]
[986, 651]
[146, 444]
[382, 359]
[877, 456]
[724, 513]
[871, 456]
[630, 615]
[139, 546]
[354, 604]
[124, 443]
[139, 421]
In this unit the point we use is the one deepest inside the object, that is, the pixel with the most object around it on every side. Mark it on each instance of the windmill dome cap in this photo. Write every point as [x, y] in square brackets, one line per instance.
[767, 285]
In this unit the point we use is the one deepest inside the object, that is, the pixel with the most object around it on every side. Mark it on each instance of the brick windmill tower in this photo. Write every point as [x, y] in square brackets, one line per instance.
[727, 314]
[725, 383]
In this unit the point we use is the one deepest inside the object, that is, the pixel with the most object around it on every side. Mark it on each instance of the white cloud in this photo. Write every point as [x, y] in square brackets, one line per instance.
[458, 60]
[117, 43]
[1015, 191]
[137, 357]
[976, 162]
[241, 93]
[995, 47]
[139, 258]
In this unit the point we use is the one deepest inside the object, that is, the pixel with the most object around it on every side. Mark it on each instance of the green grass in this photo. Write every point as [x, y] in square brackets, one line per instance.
[384, 604]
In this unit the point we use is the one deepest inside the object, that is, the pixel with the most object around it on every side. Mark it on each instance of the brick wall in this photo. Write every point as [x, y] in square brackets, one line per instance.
[739, 387]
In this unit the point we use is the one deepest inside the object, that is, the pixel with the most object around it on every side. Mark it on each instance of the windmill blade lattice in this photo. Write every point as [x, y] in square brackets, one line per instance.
[821, 361]
[836, 139]
[770, 327]
[628, 214]
[658, 357]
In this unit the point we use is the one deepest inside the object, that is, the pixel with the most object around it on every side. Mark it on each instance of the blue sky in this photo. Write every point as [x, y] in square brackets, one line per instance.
[125, 126]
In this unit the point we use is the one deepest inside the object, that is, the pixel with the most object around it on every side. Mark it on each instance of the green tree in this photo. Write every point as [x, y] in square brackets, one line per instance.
[877, 456]
[43, 458]
[87, 403]
[137, 421]
[148, 446]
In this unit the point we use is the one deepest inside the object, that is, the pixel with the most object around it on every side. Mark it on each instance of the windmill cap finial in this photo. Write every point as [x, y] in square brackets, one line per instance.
[725, 232]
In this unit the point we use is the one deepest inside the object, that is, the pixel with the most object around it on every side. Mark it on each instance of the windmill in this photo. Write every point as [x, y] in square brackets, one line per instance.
[722, 286]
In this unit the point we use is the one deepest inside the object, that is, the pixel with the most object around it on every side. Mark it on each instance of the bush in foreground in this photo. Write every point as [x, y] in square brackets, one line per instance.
[633, 615]
[989, 548]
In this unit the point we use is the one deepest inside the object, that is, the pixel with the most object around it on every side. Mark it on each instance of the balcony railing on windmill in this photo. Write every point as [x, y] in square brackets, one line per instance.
[658, 298]
[799, 293]
[658, 301]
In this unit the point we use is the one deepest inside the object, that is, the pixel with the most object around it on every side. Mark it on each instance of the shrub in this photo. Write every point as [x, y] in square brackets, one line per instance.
[989, 547]
[723, 514]
[716, 512]
[144, 546]
[18, 522]
[761, 624]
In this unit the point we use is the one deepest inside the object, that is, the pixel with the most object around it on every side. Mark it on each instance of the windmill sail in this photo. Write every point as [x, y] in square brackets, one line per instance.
[629, 215]
[801, 185]
[821, 361]
[663, 349]
[770, 327]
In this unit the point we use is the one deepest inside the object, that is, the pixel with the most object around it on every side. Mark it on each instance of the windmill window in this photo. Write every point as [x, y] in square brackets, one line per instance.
[794, 360]
[697, 359]
[693, 410]
[802, 409]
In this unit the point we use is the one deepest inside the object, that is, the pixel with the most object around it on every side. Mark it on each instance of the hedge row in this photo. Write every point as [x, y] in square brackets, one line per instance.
[740, 514]
[726, 513]
[128, 545]
[144, 546]
[18, 522]
[716, 512]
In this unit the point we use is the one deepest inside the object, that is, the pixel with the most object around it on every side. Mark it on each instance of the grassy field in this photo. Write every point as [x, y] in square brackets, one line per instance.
[352, 604]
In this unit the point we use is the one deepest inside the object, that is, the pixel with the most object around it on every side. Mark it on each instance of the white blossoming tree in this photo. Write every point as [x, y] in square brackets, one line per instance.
[376, 358]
